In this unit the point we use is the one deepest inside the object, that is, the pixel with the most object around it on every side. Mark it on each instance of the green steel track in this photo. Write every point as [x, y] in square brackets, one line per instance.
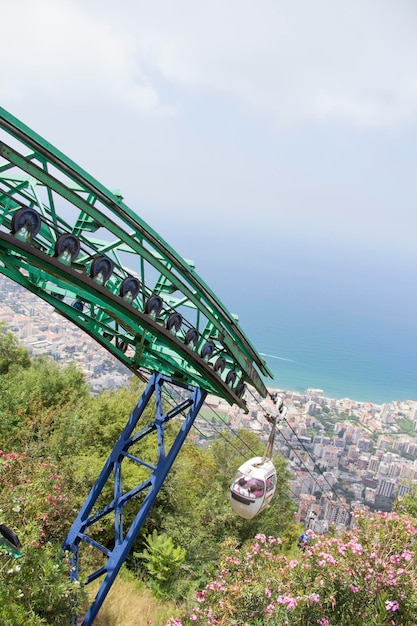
[76, 245]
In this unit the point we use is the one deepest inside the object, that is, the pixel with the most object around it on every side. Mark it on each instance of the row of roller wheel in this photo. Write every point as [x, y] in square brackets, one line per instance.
[26, 224]
[208, 352]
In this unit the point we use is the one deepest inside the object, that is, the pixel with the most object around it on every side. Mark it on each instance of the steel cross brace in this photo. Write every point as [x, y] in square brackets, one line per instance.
[112, 469]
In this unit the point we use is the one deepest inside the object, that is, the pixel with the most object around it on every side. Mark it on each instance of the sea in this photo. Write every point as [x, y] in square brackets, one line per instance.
[321, 315]
[331, 319]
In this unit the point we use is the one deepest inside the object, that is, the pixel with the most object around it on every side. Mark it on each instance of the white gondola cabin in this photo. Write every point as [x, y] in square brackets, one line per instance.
[253, 487]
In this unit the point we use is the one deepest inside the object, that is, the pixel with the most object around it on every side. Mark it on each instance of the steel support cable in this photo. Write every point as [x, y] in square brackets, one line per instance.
[219, 432]
[244, 442]
[314, 461]
[248, 447]
[302, 462]
[299, 458]
[234, 432]
[253, 452]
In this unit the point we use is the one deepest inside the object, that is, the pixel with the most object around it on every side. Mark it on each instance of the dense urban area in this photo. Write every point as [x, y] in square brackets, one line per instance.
[343, 454]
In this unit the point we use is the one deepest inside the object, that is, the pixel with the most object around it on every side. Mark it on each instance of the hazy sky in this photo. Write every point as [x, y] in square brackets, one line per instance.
[249, 134]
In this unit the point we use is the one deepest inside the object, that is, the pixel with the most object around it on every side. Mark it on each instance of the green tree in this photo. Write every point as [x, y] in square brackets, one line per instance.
[12, 354]
[407, 503]
[31, 400]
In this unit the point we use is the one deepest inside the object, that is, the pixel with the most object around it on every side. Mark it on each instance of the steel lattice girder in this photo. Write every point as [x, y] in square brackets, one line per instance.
[155, 466]
[37, 182]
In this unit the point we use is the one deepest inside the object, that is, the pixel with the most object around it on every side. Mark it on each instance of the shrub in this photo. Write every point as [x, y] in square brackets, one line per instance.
[162, 561]
[35, 589]
[362, 576]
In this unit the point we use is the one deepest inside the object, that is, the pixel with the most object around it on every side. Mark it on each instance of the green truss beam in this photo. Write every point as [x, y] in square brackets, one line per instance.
[39, 183]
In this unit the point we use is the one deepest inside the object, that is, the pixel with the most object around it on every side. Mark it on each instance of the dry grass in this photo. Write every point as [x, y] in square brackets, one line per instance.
[130, 604]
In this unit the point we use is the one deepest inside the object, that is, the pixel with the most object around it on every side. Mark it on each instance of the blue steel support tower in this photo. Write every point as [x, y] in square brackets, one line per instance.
[149, 487]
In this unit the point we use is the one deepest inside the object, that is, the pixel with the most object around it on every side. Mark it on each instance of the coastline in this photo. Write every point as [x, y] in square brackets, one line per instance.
[317, 393]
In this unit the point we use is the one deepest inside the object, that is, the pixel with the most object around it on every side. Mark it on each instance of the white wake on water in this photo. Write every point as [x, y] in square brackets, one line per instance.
[274, 356]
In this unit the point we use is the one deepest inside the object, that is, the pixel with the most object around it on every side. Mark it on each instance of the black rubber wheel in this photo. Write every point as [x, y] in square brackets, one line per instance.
[101, 265]
[10, 536]
[108, 336]
[67, 243]
[78, 305]
[191, 337]
[122, 345]
[207, 350]
[130, 287]
[154, 306]
[26, 217]
[231, 378]
[220, 364]
[240, 389]
[58, 296]
[174, 322]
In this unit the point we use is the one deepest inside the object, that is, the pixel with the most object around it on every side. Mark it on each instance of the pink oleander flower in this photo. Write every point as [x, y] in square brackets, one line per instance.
[356, 548]
[289, 601]
[407, 555]
[392, 605]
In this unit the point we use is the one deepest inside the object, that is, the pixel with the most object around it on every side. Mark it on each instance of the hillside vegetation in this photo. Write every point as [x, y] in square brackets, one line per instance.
[55, 438]
[195, 562]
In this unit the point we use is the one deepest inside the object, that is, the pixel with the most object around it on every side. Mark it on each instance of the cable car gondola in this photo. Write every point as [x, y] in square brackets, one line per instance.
[253, 487]
[255, 482]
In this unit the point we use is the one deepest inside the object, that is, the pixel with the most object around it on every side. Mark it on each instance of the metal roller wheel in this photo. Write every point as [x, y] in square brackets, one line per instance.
[231, 378]
[207, 350]
[58, 296]
[240, 389]
[174, 322]
[78, 305]
[191, 337]
[154, 306]
[68, 246]
[101, 267]
[220, 364]
[122, 345]
[129, 288]
[28, 219]
[10, 536]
